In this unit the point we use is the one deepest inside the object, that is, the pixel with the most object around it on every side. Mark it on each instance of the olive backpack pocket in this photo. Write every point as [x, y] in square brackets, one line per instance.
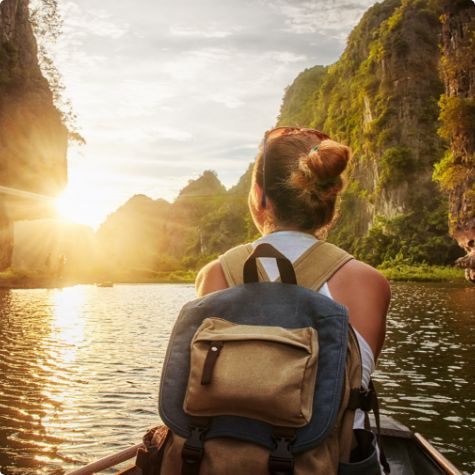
[232, 372]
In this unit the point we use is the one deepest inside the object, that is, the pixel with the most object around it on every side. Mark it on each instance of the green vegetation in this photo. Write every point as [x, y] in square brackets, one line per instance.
[175, 277]
[422, 273]
[381, 98]
[298, 104]
[456, 171]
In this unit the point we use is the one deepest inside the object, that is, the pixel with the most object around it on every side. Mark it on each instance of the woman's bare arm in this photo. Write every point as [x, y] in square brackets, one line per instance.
[366, 294]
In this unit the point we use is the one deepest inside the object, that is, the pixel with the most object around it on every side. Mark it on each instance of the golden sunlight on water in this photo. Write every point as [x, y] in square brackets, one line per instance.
[68, 323]
[80, 369]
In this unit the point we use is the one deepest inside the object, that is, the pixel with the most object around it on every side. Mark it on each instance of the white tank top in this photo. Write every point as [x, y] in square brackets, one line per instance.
[292, 244]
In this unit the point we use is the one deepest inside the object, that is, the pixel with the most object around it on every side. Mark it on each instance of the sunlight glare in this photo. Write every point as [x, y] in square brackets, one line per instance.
[72, 207]
[69, 320]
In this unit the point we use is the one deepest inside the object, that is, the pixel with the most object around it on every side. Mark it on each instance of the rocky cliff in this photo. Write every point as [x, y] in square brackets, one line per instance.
[456, 172]
[381, 98]
[33, 138]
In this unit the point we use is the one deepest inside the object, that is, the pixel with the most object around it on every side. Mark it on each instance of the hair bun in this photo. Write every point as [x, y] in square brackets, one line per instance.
[328, 161]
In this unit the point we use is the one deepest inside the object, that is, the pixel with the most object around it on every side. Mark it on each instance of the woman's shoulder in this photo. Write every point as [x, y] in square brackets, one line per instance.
[210, 278]
[359, 274]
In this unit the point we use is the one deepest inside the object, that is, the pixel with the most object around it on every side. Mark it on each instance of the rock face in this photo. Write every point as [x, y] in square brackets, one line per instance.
[33, 138]
[456, 172]
[381, 98]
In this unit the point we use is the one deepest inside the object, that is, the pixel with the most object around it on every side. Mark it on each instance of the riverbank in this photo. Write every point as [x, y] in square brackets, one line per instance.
[31, 280]
[36, 280]
[422, 273]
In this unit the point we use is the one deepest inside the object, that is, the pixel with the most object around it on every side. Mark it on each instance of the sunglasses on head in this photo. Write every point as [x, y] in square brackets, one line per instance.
[280, 132]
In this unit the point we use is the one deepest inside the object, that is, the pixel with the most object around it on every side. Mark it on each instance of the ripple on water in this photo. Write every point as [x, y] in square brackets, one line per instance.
[81, 369]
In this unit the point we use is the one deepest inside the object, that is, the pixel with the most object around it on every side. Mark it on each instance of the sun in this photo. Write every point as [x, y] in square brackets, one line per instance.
[81, 206]
[71, 207]
[88, 205]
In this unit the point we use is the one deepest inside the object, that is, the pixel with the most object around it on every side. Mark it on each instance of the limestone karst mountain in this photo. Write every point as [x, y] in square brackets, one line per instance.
[386, 97]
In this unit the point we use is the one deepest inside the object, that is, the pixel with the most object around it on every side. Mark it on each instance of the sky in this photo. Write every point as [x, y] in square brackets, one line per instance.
[164, 90]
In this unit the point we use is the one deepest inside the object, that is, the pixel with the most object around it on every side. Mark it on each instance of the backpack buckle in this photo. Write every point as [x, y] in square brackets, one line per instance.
[193, 447]
[361, 398]
[366, 399]
[281, 459]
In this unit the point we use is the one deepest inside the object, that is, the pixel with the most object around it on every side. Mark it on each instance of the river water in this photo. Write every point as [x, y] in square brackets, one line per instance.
[80, 366]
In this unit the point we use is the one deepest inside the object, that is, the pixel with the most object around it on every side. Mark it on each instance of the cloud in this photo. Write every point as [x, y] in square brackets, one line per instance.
[164, 90]
[210, 32]
[99, 22]
[327, 17]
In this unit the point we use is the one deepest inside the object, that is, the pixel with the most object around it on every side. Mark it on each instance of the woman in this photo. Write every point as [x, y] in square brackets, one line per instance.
[296, 181]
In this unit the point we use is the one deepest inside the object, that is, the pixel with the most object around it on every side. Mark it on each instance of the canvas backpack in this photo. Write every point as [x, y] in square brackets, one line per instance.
[263, 377]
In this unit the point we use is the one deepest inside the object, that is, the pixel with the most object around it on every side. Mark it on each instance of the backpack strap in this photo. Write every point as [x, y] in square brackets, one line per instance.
[232, 263]
[353, 375]
[313, 268]
[319, 263]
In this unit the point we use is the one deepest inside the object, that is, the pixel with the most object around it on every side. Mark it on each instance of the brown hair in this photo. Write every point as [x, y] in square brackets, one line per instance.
[302, 180]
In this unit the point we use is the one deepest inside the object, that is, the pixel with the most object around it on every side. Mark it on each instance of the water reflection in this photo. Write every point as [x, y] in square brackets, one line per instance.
[428, 365]
[68, 323]
[33, 372]
[80, 369]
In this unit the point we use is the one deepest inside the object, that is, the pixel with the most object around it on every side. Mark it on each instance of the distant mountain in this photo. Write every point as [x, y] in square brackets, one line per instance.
[133, 236]
[207, 184]
[148, 236]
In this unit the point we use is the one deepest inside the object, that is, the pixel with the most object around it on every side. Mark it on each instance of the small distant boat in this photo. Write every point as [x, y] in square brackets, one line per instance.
[105, 284]
[408, 453]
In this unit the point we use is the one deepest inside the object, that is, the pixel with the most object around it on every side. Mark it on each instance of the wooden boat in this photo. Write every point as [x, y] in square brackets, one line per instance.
[105, 284]
[408, 453]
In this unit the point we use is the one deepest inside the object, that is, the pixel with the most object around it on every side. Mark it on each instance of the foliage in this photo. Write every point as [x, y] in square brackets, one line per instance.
[366, 101]
[457, 116]
[456, 171]
[417, 237]
[47, 24]
[396, 164]
[450, 174]
[421, 273]
[297, 106]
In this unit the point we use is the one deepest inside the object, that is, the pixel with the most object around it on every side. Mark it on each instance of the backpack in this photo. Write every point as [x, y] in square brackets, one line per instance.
[264, 377]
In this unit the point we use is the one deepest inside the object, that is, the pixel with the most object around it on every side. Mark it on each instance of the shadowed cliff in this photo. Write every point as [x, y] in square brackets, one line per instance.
[33, 138]
[456, 171]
